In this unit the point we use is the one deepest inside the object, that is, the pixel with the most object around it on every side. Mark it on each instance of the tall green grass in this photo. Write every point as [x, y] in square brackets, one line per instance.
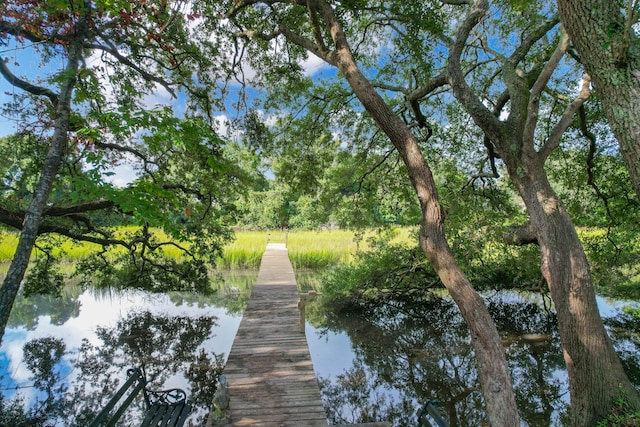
[319, 249]
[8, 244]
[61, 246]
[245, 251]
[307, 249]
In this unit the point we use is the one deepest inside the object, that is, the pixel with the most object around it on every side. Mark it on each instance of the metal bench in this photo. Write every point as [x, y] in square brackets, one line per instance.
[430, 411]
[167, 408]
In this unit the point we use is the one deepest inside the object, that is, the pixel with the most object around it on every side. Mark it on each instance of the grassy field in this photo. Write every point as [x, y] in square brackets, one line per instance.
[307, 249]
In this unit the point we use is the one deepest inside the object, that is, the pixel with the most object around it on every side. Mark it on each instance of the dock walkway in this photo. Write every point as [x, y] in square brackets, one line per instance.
[269, 370]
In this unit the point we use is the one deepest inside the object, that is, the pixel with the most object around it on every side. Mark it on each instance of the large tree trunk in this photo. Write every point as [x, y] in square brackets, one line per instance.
[493, 370]
[596, 375]
[33, 216]
[605, 42]
[495, 377]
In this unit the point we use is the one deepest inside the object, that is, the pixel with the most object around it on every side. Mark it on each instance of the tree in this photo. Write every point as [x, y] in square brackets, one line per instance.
[597, 377]
[507, 99]
[603, 34]
[316, 27]
[61, 103]
[92, 116]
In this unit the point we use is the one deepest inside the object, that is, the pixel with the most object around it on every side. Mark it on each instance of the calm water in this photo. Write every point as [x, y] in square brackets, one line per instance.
[383, 363]
[64, 357]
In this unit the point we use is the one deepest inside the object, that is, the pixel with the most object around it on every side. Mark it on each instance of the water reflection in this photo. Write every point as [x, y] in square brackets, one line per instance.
[65, 357]
[62, 359]
[395, 357]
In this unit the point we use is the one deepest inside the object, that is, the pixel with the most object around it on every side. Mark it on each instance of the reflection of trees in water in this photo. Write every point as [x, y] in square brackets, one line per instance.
[164, 345]
[232, 291]
[26, 311]
[534, 353]
[625, 334]
[356, 396]
[411, 352]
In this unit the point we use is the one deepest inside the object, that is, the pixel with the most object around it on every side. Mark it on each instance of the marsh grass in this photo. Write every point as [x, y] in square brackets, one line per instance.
[320, 249]
[307, 249]
[8, 243]
[244, 252]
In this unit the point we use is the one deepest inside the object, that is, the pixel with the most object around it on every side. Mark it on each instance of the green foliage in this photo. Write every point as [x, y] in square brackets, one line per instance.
[392, 270]
[145, 266]
[12, 412]
[386, 271]
[622, 414]
[44, 277]
[184, 184]
[614, 259]
[596, 190]
[185, 197]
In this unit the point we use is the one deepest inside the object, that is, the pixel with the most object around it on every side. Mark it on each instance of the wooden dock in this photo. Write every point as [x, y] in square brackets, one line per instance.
[269, 370]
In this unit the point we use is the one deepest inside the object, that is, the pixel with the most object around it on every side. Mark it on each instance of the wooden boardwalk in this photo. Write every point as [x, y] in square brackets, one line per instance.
[269, 370]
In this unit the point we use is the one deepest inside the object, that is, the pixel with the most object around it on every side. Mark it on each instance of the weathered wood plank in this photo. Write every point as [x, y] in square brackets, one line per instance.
[269, 370]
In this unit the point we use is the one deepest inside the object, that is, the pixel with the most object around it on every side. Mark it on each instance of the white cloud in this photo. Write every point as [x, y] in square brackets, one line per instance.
[123, 174]
[313, 64]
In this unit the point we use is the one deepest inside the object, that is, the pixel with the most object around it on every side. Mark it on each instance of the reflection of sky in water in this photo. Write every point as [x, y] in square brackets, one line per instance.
[332, 351]
[611, 308]
[334, 355]
[103, 310]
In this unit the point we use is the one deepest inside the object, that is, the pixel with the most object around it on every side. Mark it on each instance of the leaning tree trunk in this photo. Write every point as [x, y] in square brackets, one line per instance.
[596, 375]
[52, 162]
[610, 53]
[493, 370]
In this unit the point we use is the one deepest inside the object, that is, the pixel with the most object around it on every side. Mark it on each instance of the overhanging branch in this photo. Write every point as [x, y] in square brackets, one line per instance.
[26, 86]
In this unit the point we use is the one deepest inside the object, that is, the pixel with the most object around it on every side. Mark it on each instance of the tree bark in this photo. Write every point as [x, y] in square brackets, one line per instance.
[596, 375]
[33, 216]
[610, 53]
[493, 370]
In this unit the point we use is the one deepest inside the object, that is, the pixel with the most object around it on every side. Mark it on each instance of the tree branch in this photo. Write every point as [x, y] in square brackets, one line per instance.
[590, 157]
[373, 169]
[565, 121]
[541, 82]
[95, 205]
[481, 115]
[113, 51]
[26, 86]
[315, 25]
[524, 47]
[520, 235]
[328, 55]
